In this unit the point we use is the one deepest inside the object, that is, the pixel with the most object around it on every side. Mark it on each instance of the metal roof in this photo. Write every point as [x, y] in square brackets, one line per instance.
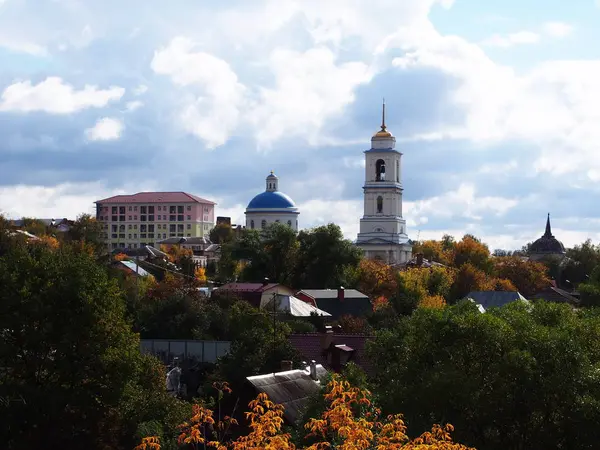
[332, 293]
[495, 299]
[134, 267]
[292, 389]
[292, 305]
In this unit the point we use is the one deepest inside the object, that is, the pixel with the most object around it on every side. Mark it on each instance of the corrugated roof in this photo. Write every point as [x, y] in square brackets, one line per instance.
[196, 240]
[292, 389]
[156, 197]
[134, 267]
[293, 305]
[247, 287]
[495, 299]
[332, 293]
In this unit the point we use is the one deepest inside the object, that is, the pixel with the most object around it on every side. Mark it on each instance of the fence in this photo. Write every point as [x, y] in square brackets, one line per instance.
[192, 351]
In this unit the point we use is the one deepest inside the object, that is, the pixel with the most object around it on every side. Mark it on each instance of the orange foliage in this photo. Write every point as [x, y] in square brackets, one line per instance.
[528, 276]
[349, 422]
[149, 443]
[352, 324]
[470, 250]
[432, 301]
[500, 284]
[433, 251]
[469, 278]
[380, 302]
[121, 257]
[376, 279]
[48, 241]
[176, 252]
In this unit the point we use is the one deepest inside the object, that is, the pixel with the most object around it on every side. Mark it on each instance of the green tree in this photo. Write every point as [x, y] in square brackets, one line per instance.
[520, 377]
[590, 291]
[326, 259]
[582, 259]
[72, 374]
[34, 226]
[222, 233]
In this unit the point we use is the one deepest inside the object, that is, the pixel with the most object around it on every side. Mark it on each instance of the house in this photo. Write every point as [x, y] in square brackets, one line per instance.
[553, 294]
[53, 225]
[147, 217]
[254, 293]
[288, 304]
[146, 252]
[198, 245]
[495, 299]
[337, 302]
[291, 388]
[131, 268]
[333, 349]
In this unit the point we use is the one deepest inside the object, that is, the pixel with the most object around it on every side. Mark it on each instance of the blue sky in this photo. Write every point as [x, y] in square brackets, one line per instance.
[494, 105]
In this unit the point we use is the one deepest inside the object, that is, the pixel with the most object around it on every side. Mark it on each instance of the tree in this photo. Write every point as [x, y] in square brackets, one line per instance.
[433, 251]
[376, 279]
[88, 230]
[72, 372]
[471, 250]
[529, 277]
[34, 226]
[222, 233]
[582, 259]
[590, 291]
[468, 278]
[325, 259]
[520, 376]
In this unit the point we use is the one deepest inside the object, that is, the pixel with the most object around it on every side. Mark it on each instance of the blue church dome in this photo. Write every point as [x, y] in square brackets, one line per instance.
[271, 200]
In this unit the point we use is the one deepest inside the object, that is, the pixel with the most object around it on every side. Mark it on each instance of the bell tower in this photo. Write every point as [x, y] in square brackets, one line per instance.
[383, 233]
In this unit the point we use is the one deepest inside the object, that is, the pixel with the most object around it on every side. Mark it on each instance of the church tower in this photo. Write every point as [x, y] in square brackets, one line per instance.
[382, 233]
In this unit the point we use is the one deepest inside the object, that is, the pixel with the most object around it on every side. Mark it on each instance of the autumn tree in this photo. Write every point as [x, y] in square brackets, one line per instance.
[86, 229]
[222, 233]
[469, 278]
[34, 226]
[415, 284]
[471, 250]
[527, 276]
[376, 279]
[433, 250]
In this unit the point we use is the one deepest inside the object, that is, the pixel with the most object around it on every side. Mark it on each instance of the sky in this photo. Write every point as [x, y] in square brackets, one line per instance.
[494, 105]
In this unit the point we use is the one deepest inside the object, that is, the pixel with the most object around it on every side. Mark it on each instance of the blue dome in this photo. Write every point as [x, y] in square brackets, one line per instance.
[271, 200]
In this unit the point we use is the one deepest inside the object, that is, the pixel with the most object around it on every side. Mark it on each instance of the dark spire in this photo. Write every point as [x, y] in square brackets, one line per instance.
[548, 232]
[383, 116]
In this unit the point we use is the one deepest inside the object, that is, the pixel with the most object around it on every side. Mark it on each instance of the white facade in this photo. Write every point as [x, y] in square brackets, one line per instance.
[271, 206]
[382, 233]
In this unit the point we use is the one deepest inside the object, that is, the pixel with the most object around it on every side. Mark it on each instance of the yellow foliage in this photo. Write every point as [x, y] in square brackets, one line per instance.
[432, 301]
[419, 283]
[200, 274]
[349, 422]
[376, 279]
[49, 241]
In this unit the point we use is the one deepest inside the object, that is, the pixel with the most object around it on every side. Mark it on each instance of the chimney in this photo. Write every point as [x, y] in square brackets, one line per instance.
[265, 282]
[341, 293]
[286, 365]
[313, 370]
[419, 259]
[326, 338]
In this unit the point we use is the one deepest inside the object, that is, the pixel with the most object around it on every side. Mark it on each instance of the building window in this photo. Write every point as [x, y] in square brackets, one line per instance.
[397, 171]
[263, 224]
[151, 228]
[134, 217]
[128, 217]
[380, 204]
[113, 228]
[135, 208]
[189, 208]
[180, 228]
[121, 228]
[151, 209]
[114, 210]
[172, 228]
[129, 236]
[135, 226]
[180, 209]
[206, 209]
[252, 224]
[142, 210]
[143, 218]
[172, 209]
[289, 223]
[151, 218]
[189, 235]
[380, 170]
[121, 210]
[114, 218]
[159, 207]
[143, 228]
[180, 218]
[189, 217]
[189, 226]
[172, 218]
[129, 227]
[130, 208]
[206, 218]
[277, 221]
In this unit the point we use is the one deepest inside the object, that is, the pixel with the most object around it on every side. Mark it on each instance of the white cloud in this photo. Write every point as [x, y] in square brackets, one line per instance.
[214, 110]
[557, 29]
[105, 129]
[518, 38]
[54, 96]
[140, 90]
[309, 89]
[63, 200]
[133, 105]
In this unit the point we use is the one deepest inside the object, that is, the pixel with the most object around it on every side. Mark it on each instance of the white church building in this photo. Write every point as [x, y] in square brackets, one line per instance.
[271, 206]
[382, 233]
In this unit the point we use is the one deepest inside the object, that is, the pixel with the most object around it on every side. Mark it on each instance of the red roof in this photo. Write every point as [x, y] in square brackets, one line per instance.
[156, 197]
[247, 287]
[309, 346]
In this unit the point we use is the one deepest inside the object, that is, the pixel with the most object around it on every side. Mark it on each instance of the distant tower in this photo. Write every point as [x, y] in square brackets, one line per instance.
[382, 233]
[547, 245]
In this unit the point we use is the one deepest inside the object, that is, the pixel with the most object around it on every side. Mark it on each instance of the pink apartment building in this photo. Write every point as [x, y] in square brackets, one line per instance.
[131, 221]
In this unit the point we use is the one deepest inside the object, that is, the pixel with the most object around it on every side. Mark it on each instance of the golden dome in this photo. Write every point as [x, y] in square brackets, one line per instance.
[383, 133]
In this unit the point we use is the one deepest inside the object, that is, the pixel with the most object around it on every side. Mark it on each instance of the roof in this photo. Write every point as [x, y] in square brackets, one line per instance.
[547, 243]
[495, 299]
[156, 197]
[247, 287]
[47, 222]
[271, 200]
[293, 306]
[196, 240]
[309, 345]
[332, 293]
[213, 248]
[557, 295]
[292, 389]
[135, 268]
[146, 250]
